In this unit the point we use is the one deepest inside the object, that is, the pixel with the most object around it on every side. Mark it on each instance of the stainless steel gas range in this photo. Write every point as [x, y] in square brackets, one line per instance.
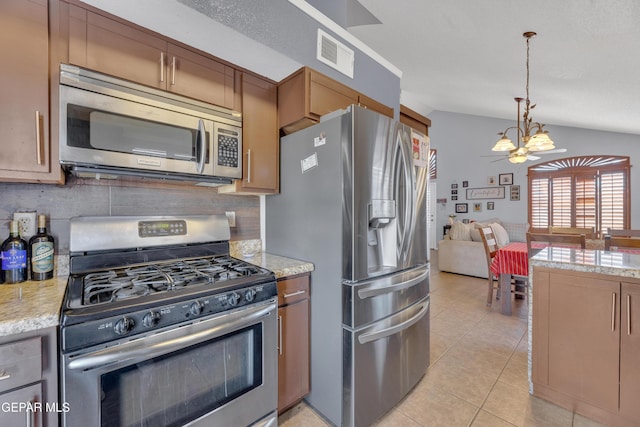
[161, 327]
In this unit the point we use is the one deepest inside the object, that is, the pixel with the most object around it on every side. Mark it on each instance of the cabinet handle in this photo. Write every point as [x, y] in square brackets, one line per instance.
[173, 70]
[4, 376]
[30, 416]
[39, 154]
[294, 294]
[613, 312]
[280, 335]
[162, 66]
[249, 165]
[628, 314]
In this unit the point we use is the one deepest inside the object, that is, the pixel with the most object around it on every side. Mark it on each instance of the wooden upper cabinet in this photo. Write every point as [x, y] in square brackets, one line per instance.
[414, 120]
[24, 84]
[372, 104]
[306, 95]
[197, 76]
[124, 50]
[260, 138]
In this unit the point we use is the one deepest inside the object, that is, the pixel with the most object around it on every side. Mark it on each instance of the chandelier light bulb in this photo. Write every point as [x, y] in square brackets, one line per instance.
[504, 144]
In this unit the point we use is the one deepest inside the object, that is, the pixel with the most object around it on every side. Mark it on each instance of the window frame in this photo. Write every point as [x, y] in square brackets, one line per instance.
[584, 168]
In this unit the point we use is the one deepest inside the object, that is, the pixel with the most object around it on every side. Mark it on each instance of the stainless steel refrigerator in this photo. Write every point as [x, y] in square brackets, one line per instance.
[353, 202]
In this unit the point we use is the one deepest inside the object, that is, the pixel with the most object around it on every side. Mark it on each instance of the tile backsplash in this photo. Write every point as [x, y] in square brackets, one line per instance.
[83, 197]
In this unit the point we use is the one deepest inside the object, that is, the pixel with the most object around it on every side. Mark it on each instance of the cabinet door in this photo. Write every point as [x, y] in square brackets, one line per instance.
[583, 338]
[199, 77]
[260, 138]
[629, 352]
[24, 85]
[293, 361]
[120, 50]
[25, 417]
[374, 105]
[327, 95]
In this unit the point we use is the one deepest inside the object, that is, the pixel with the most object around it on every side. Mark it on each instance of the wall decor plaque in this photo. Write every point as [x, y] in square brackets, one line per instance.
[485, 193]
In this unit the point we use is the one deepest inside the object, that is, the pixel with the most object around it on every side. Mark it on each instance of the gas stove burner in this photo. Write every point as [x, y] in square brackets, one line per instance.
[140, 280]
[129, 292]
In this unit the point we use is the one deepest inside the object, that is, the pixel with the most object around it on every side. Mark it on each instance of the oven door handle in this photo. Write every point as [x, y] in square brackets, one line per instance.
[172, 340]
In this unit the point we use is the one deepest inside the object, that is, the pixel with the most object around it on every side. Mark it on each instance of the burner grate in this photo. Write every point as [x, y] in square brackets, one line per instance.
[137, 281]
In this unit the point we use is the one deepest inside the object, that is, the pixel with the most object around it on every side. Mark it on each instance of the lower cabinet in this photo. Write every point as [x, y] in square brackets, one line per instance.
[293, 340]
[28, 379]
[585, 344]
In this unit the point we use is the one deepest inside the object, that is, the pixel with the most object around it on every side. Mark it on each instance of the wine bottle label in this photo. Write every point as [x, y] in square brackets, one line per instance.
[42, 257]
[14, 259]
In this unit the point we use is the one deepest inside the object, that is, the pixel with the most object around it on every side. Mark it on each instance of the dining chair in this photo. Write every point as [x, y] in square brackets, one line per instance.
[589, 232]
[563, 240]
[623, 232]
[620, 242]
[491, 249]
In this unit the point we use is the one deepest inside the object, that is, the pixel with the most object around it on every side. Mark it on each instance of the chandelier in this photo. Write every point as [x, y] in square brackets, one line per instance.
[539, 141]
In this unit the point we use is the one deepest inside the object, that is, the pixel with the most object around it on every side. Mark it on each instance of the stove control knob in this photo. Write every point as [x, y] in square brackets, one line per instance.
[151, 319]
[124, 326]
[234, 299]
[250, 294]
[196, 308]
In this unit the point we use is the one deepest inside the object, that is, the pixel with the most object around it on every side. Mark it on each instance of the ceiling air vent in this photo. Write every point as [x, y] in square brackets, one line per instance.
[335, 54]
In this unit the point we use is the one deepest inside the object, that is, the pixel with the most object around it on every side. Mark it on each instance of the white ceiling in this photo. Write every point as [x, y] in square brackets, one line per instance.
[469, 57]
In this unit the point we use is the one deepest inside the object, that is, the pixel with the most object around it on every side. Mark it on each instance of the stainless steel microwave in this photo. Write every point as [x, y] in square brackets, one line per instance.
[109, 126]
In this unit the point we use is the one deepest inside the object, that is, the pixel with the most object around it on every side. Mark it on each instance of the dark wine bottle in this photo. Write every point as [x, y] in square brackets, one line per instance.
[14, 256]
[41, 252]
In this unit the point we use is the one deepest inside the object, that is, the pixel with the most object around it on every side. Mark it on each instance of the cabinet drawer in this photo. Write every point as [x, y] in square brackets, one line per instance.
[293, 289]
[20, 363]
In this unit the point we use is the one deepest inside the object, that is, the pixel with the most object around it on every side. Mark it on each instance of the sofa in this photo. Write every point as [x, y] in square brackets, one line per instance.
[462, 252]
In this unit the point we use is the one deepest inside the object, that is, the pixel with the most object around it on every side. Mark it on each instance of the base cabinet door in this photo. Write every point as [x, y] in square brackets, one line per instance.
[293, 341]
[583, 338]
[586, 342]
[630, 352]
[23, 407]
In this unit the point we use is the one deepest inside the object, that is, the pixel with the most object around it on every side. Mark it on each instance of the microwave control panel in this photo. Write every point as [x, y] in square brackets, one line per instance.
[228, 148]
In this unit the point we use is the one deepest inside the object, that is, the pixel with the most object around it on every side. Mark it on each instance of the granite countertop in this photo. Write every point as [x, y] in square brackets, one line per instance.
[35, 305]
[31, 305]
[621, 264]
[281, 266]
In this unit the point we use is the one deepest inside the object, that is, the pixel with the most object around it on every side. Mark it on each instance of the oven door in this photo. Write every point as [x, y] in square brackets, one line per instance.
[219, 371]
[101, 130]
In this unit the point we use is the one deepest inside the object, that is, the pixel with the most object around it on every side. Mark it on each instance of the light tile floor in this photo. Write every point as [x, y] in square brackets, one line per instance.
[478, 373]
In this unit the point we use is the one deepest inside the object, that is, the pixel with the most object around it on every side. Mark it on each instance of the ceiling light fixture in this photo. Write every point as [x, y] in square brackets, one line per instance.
[539, 141]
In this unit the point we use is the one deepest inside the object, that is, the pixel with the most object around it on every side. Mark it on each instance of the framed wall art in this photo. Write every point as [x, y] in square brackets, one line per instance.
[490, 206]
[462, 207]
[505, 179]
[485, 193]
[515, 192]
[465, 183]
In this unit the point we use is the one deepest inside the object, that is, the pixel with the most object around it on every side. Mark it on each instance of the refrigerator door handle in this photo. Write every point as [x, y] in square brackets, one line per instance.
[393, 286]
[373, 336]
[408, 225]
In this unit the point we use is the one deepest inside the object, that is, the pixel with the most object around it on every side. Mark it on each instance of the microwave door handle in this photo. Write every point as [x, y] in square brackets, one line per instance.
[202, 146]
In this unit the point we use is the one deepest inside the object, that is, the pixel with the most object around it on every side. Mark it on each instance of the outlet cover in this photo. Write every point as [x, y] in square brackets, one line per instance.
[231, 217]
